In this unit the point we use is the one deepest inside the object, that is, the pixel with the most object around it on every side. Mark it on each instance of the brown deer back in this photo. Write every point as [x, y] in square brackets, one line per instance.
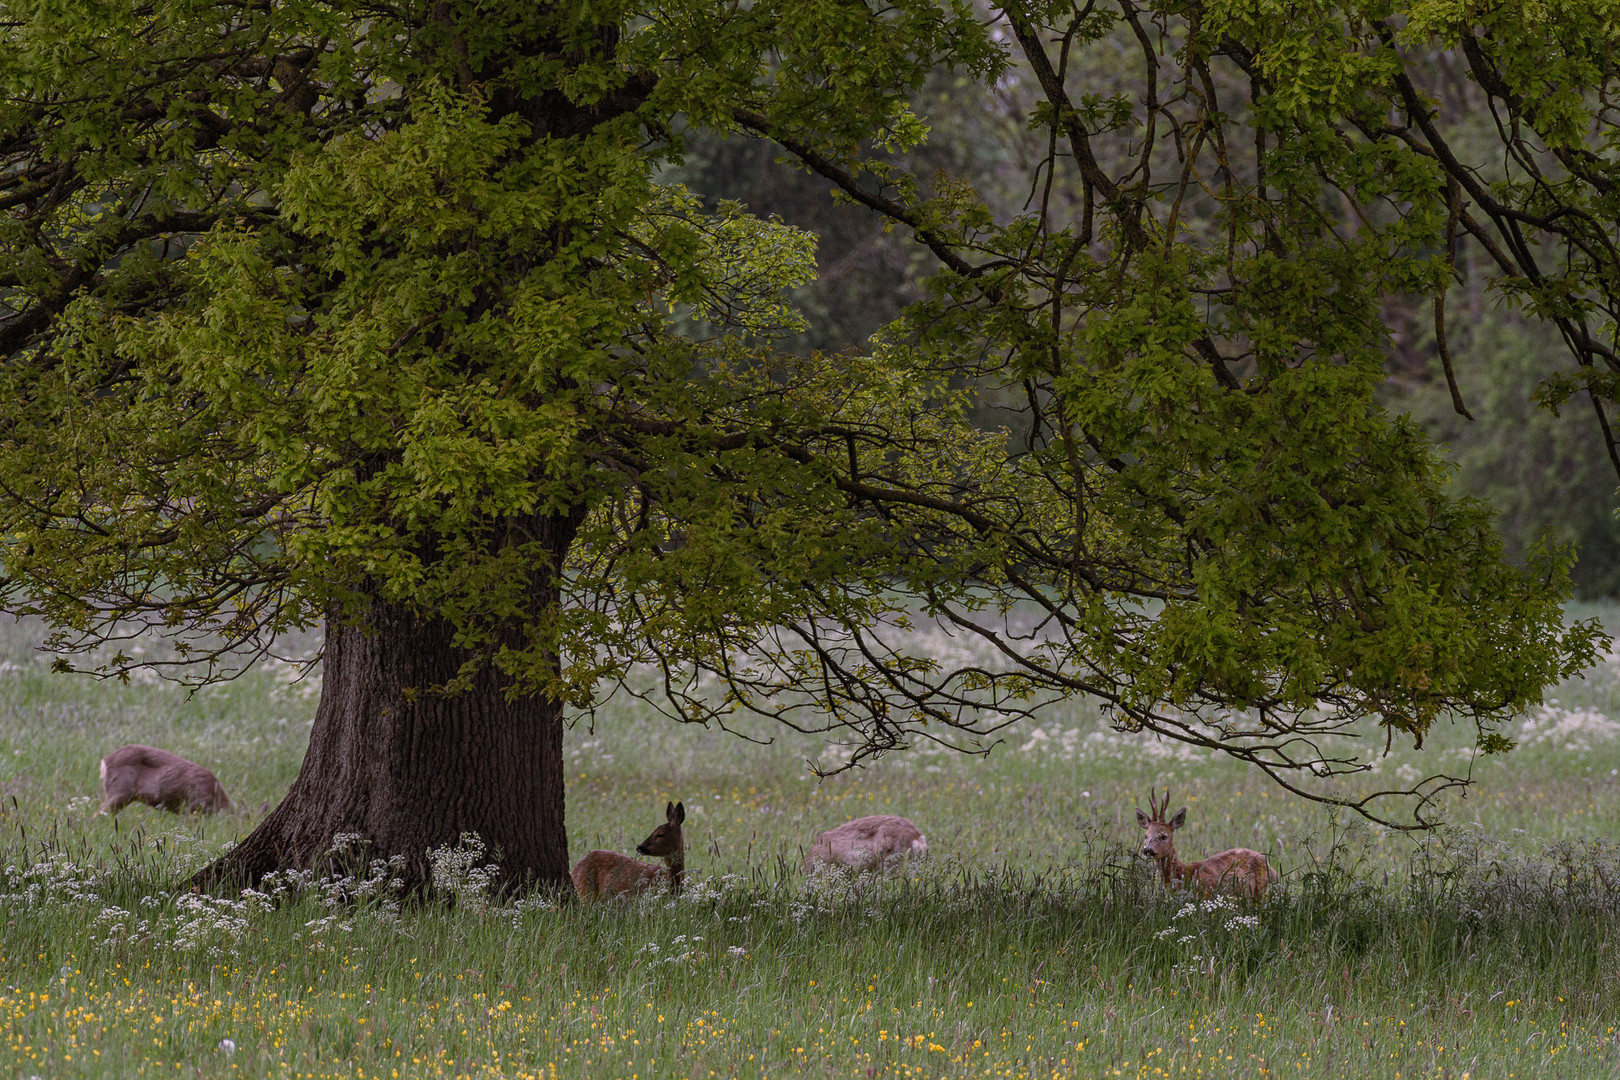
[1235, 870]
[158, 778]
[602, 875]
[880, 841]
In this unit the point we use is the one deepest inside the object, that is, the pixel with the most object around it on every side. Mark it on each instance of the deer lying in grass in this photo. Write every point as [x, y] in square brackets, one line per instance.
[601, 875]
[879, 842]
[1236, 870]
[158, 778]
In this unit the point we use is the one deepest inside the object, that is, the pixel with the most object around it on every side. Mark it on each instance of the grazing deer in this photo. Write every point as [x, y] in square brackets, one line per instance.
[601, 875]
[879, 842]
[1236, 870]
[158, 778]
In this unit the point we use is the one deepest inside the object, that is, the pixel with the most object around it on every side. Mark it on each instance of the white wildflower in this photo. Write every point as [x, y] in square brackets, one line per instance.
[457, 873]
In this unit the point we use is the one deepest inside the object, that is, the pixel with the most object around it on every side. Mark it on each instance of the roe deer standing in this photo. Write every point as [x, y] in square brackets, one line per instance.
[877, 842]
[604, 874]
[158, 778]
[1236, 870]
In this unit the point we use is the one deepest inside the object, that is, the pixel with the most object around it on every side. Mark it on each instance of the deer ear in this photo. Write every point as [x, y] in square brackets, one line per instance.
[680, 813]
[1141, 819]
[1180, 819]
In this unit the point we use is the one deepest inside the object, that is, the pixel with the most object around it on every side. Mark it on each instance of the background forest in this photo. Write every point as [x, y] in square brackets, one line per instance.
[1543, 470]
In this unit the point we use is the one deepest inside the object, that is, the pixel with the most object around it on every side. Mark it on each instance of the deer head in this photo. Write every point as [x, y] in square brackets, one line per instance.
[666, 840]
[1160, 841]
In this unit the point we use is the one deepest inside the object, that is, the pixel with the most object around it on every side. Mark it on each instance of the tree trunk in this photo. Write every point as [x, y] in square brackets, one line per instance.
[409, 769]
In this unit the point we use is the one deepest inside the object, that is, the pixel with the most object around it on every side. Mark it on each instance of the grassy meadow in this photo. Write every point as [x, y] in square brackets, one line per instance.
[1029, 943]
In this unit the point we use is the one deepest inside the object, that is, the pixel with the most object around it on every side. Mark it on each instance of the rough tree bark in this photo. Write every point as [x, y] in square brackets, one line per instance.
[408, 769]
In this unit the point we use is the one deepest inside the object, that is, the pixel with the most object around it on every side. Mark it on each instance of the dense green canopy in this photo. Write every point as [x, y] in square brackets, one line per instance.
[309, 306]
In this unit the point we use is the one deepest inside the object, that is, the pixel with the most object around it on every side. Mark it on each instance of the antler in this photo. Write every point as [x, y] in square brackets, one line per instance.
[1154, 813]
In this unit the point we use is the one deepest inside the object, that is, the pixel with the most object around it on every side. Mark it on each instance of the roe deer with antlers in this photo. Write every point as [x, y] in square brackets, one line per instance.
[1236, 870]
[877, 842]
[158, 778]
[601, 875]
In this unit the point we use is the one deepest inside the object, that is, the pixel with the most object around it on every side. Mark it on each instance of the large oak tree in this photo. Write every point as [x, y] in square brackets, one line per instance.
[378, 315]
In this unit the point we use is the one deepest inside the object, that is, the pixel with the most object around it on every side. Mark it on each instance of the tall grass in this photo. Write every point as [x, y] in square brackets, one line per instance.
[1031, 942]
